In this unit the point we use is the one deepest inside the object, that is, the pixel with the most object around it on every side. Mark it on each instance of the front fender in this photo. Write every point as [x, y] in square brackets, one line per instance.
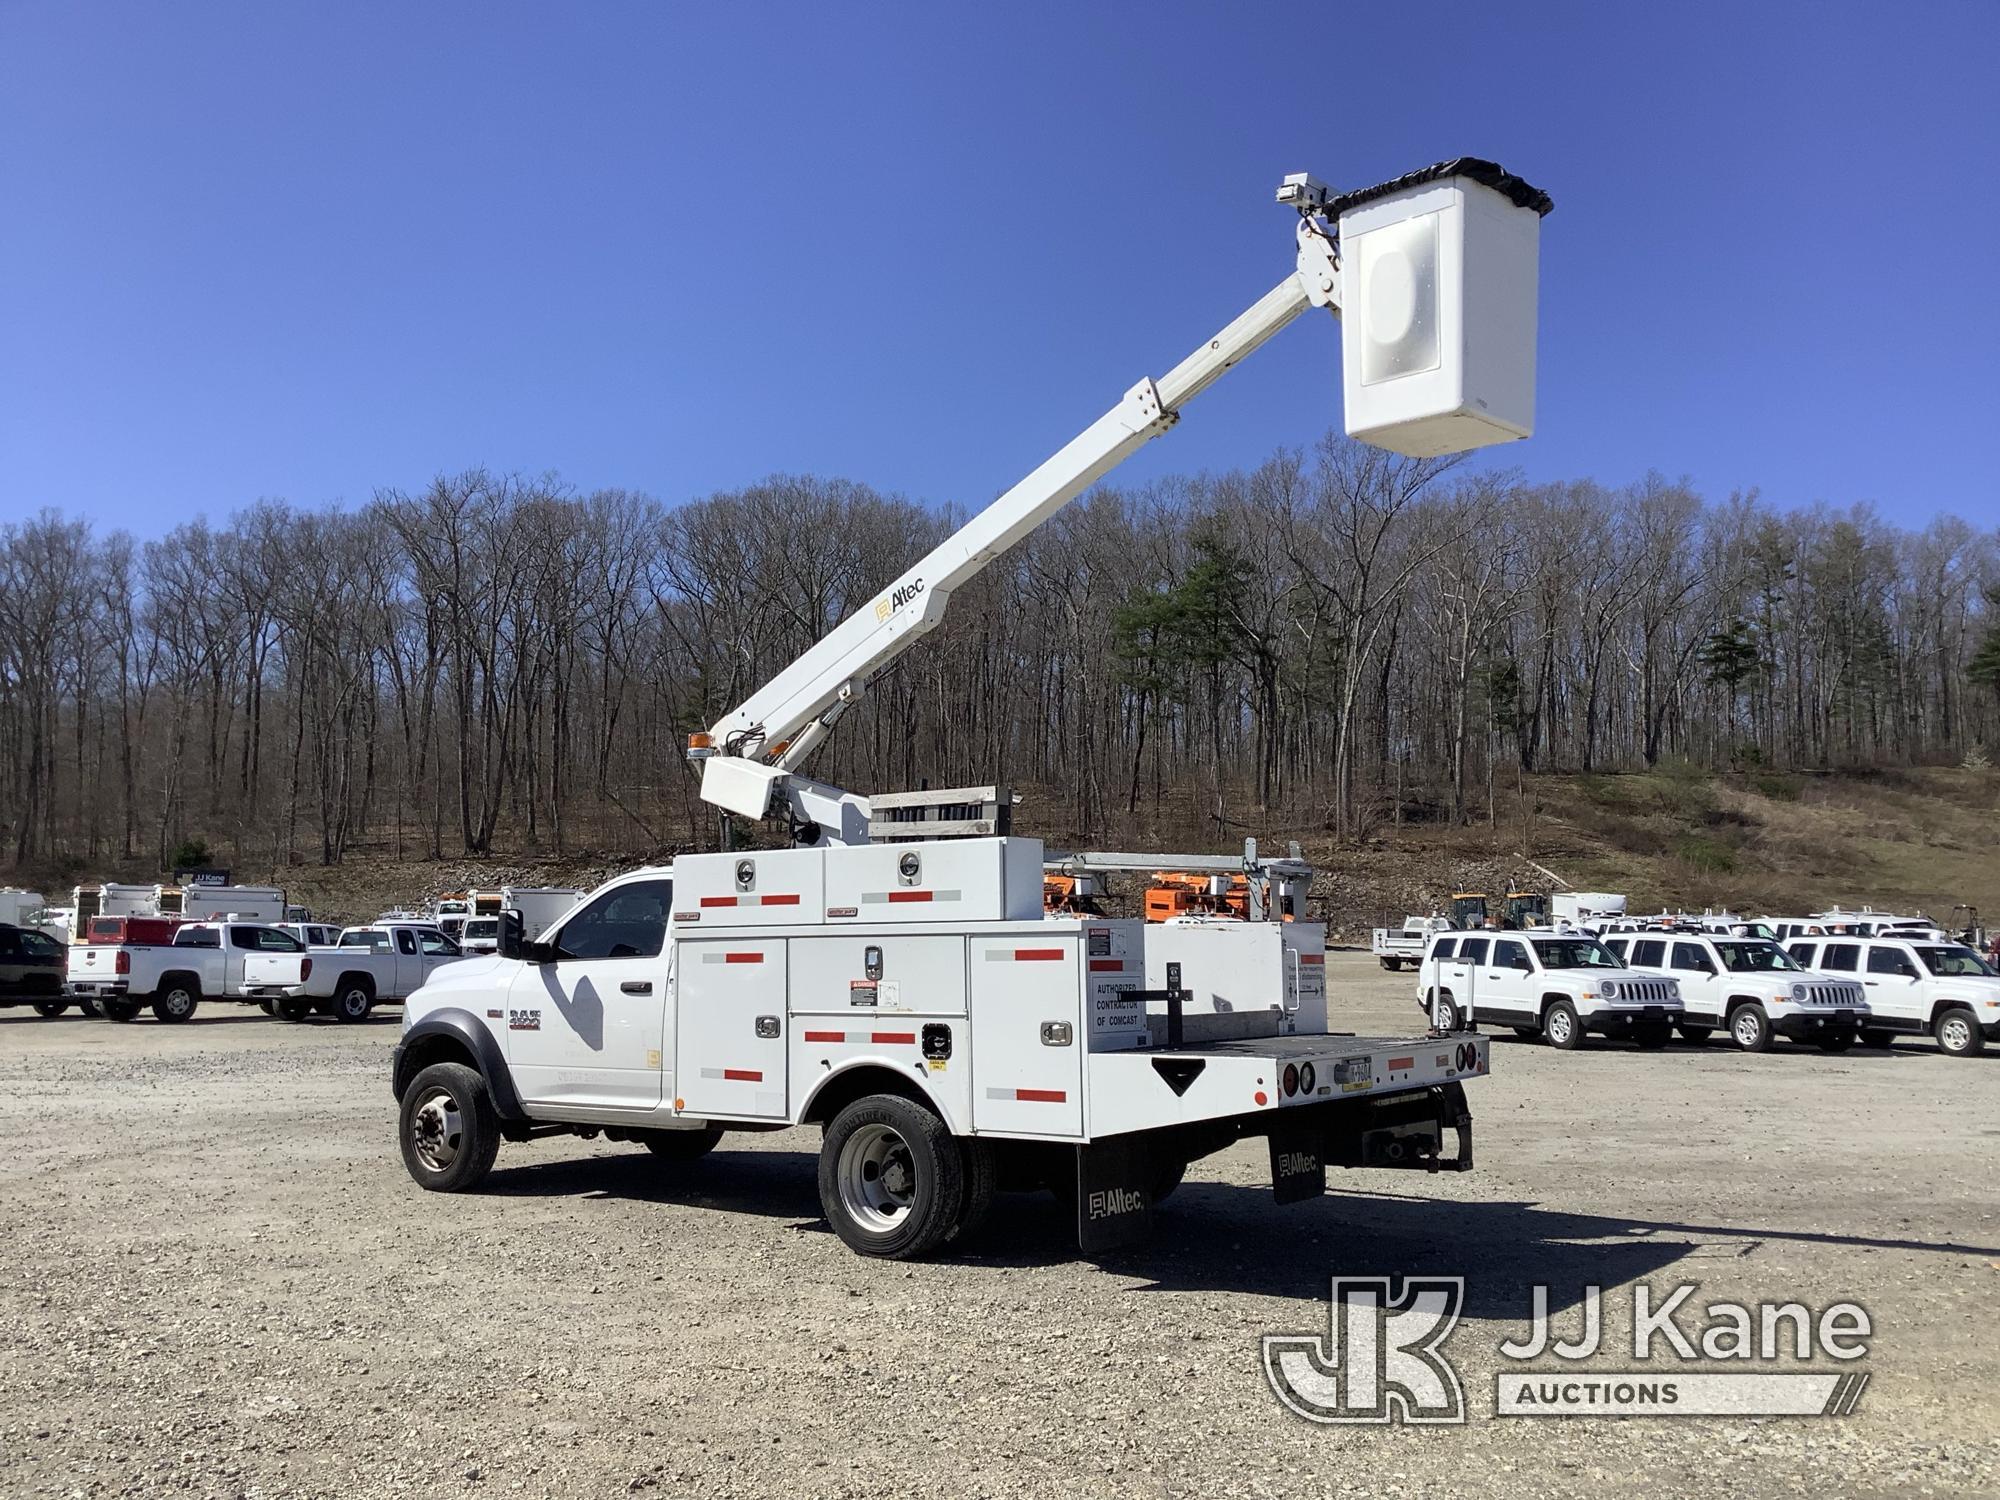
[464, 1027]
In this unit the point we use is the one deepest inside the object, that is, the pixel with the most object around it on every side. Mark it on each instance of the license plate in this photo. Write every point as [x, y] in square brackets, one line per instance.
[1352, 1073]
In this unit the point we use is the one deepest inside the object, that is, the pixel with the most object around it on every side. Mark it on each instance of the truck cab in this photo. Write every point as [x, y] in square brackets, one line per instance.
[1749, 988]
[1914, 987]
[1557, 988]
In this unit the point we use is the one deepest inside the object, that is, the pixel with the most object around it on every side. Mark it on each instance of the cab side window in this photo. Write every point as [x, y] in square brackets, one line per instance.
[1890, 961]
[1649, 953]
[1472, 950]
[1511, 955]
[438, 945]
[1444, 947]
[628, 922]
[1689, 958]
[198, 937]
[1802, 953]
[406, 940]
[1844, 957]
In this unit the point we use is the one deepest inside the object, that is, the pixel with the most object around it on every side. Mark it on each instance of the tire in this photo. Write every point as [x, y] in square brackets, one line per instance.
[1166, 1179]
[891, 1178]
[50, 1009]
[118, 1010]
[683, 1145]
[266, 1006]
[1696, 1034]
[1561, 1028]
[1956, 1031]
[1446, 1014]
[1750, 1028]
[1880, 1041]
[353, 998]
[1528, 1033]
[448, 1129]
[982, 1182]
[175, 1001]
[1652, 1038]
[292, 1010]
[1834, 1041]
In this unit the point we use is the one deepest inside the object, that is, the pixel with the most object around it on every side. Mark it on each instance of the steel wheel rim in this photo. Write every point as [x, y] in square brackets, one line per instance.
[179, 1002]
[1559, 1026]
[1747, 1028]
[354, 1005]
[437, 1130]
[1955, 1035]
[877, 1178]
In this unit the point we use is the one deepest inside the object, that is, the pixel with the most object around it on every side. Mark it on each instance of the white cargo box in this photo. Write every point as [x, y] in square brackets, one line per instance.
[1268, 977]
[950, 880]
[1438, 286]
[753, 888]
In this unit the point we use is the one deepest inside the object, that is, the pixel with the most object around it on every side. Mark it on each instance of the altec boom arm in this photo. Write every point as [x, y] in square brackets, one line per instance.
[751, 752]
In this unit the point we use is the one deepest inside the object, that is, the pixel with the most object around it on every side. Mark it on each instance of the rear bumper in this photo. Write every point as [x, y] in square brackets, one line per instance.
[95, 987]
[272, 991]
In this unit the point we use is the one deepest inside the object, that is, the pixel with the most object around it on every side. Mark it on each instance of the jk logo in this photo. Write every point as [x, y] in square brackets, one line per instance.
[1380, 1359]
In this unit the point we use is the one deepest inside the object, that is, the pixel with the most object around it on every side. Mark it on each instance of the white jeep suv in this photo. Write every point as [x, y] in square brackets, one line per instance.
[1557, 988]
[1914, 986]
[1750, 988]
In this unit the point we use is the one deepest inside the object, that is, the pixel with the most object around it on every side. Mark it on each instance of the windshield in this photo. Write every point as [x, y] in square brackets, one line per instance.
[483, 927]
[1575, 953]
[1953, 960]
[1756, 958]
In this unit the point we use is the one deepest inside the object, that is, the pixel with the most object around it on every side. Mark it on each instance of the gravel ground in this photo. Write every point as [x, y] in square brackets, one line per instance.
[221, 1282]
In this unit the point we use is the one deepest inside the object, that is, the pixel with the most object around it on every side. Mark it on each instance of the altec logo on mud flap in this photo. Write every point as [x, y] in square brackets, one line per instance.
[1382, 1358]
[1296, 1163]
[900, 595]
[1114, 1201]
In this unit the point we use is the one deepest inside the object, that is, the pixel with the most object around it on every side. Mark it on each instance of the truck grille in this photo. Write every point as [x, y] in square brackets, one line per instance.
[1645, 991]
[1839, 992]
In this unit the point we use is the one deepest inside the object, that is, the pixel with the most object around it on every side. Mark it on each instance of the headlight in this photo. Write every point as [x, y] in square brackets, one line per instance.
[1798, 992]
[1608, 989]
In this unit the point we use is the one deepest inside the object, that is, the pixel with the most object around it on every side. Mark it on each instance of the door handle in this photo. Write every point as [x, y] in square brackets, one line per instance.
[637, 986]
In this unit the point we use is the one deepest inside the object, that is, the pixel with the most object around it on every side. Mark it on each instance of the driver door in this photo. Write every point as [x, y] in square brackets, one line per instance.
[589, 1026]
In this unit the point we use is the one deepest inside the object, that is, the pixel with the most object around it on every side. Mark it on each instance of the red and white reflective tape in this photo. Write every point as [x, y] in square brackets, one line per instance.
[1026, 955]
[826, 1036]
[732, 958]
[791, 900]
[1030, 1096]
[907, 898]
[735, 1075]
[877, 1038]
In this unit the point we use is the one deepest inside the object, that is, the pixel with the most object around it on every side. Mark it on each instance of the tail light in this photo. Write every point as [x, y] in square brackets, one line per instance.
[124, 962]
[305, 968]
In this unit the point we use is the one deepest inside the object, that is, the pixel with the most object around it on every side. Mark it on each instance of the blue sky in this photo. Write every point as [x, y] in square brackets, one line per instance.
[306, 250]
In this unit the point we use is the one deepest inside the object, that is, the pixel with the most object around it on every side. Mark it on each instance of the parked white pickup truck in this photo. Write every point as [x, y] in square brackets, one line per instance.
[1751, 988]
[1914, 987]
[205, 961]
[1398, 947]
[383, 963]
[1557, 988]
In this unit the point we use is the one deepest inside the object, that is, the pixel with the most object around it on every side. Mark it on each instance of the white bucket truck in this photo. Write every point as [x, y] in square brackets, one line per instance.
[894, 978]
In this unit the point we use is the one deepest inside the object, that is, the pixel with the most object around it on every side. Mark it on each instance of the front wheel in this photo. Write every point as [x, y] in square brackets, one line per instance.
[1834, 1041]
[50, 1008]
[1881, 1041]
[891, 1178]
[1957, 1033]
[1561, 1027]
[450, 1133]
[1695, 1034]
[176, 1002]
[1750, 1029]
[1652, 1038]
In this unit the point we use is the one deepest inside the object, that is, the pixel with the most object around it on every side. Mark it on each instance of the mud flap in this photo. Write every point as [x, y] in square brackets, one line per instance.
[1114, 1200]
[1298, 1164]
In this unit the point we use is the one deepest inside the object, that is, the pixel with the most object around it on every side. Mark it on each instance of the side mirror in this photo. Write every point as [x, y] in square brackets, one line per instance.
[511, 940]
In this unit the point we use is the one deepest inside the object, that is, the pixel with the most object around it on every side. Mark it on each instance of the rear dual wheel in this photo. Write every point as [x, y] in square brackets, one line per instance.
[892, 1179]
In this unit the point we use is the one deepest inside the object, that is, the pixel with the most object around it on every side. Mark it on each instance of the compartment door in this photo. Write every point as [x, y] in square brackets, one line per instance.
[730, 999]
[1022, 1083]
